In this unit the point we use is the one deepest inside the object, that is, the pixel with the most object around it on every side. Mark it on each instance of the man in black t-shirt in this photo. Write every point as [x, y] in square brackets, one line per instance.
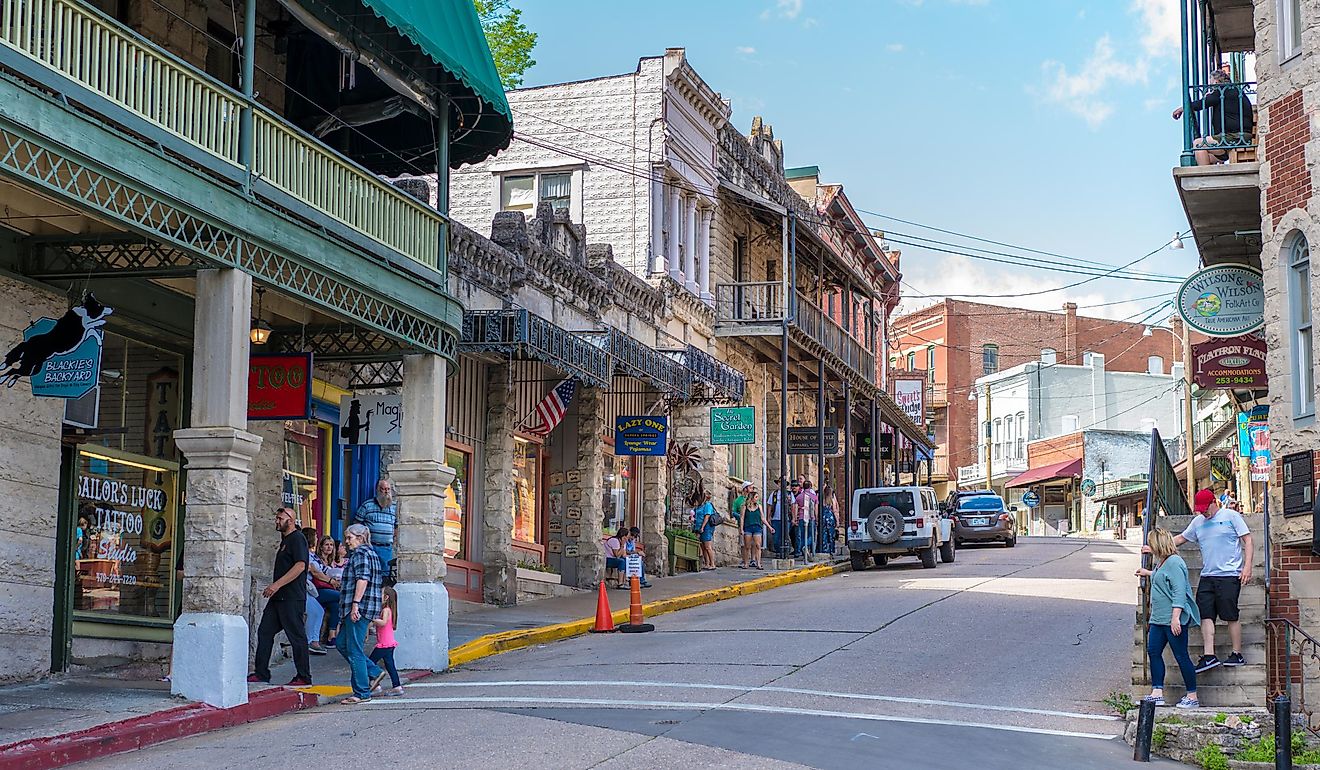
[287, 608]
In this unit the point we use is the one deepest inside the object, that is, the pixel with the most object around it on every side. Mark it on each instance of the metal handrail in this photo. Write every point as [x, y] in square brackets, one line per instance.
[108, 59]
[1281, 681]
[823, 329]
[750, 302]
[1211, 124]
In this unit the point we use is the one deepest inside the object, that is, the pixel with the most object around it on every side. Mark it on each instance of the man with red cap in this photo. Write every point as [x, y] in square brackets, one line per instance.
[1226, 553]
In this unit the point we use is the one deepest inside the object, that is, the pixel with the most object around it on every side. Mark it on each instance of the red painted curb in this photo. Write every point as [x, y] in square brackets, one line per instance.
[132, 734]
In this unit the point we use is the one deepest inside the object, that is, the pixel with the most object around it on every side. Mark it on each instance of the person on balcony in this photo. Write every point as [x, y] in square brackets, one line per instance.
[1231, 120]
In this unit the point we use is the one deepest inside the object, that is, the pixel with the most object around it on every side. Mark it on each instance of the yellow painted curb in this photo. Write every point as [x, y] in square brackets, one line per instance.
[327, 690]
[505, 641]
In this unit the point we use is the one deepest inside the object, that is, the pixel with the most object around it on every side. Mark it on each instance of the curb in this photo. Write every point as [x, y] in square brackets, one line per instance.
[133, 734]
[507, 641]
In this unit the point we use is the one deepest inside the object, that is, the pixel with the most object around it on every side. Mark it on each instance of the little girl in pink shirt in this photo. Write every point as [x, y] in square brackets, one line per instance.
[383, 654]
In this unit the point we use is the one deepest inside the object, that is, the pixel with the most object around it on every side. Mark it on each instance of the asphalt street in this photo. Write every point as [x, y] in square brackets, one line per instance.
[997, 661]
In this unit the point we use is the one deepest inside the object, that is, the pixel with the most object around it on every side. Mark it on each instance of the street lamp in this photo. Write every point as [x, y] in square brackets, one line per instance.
[1189, 441]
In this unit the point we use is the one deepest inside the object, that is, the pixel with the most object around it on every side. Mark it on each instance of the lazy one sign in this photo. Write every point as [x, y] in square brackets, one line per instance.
[280, 386]
[1233, 362]
[370, 420]
[644, 436]
[1223, 301]
[61, 357]
[733, 425]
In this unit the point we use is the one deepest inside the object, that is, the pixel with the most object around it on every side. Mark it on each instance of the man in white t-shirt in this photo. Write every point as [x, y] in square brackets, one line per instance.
[1226, 554]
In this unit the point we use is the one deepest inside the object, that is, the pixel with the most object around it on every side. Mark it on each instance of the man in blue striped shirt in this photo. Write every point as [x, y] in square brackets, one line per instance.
[380, 515]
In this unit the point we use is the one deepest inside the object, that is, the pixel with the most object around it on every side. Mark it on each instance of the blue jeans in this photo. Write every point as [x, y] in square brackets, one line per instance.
[1155, 641]
[350, 642]
[329, 599]
[386, 554]
[385, 655]
[315, 616]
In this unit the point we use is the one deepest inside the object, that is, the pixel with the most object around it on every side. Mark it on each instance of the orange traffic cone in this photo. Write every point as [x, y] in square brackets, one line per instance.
[604, 618]
[636, 622]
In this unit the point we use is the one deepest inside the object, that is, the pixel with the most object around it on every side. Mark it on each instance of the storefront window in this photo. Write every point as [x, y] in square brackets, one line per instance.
[526, 489]
[124, 535]
[618, 491]
[304, 472]
[457, 505]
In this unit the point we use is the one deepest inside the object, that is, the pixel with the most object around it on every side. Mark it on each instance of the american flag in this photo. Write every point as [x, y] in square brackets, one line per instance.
[550, 412]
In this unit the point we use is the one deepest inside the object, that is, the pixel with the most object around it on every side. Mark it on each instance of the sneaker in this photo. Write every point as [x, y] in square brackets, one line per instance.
[757, 565]
[1157, 701]
[1188, 703]
[646, 585]
[379, 678]
[1206, 663]
[316, 649]
[256, 679]
[394, 693]
[1235, 659]
[299, 681]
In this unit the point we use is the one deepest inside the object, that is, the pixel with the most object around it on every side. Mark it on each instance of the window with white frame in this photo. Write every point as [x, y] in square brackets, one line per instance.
[523, 191]
[989, 358]
[911, 362]
[1289, 28]
[1022, 436]
[1299, 309]
[930, 362]
[1048, 356]
[999, 439]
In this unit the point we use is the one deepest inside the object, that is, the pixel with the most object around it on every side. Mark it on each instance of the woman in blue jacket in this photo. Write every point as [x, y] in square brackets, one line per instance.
[1172, 612]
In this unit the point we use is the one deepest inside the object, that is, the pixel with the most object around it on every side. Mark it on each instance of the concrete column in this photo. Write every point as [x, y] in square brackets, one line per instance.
[657, 262]
[675, 234]
[210, 652]
[703, 254]
[500, 578]
[655, 486]
[690, 245]
[591, 485]
[420, 476]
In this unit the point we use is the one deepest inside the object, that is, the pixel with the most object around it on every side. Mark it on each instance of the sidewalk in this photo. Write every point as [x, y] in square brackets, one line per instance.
[78, 717]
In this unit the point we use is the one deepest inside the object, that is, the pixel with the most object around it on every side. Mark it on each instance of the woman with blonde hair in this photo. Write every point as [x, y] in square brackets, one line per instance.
[1172, 611]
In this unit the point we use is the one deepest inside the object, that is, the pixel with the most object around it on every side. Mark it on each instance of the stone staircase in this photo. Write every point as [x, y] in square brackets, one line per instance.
[1222, 687]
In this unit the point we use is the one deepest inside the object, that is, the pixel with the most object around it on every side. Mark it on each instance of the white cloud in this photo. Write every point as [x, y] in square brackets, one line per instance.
[745, 50]
[895, 48]
[785, 9]
[1160, 26]
[1083, 92]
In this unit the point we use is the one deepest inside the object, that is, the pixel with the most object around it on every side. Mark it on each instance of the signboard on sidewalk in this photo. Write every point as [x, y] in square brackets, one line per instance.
[1223, 301]
[280, 386]
[806, 441]
[371, 420]
[732, 425]
[910, 395]
[886, 446]
[632, 566]
[641, 436]
[1232, 362]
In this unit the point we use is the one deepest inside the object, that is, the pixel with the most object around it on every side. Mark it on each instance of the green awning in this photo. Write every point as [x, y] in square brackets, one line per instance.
[449, 33]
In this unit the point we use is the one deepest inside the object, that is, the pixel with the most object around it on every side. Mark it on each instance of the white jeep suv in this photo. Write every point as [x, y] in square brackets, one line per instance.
[898, 521]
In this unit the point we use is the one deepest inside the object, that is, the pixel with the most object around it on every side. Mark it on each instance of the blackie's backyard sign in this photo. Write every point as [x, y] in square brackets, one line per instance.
[1231, 363]
[61, 357]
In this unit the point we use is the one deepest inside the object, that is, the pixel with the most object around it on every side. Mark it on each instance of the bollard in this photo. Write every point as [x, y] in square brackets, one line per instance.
[1145, 729]
[1283, 733]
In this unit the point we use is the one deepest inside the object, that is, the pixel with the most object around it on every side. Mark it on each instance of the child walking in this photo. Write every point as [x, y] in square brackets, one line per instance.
[383, 654]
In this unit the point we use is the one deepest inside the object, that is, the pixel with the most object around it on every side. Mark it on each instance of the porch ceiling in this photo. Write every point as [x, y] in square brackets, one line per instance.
[1221, 201]
[1235, 24]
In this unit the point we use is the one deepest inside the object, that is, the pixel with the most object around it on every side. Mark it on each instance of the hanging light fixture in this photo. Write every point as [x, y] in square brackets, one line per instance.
[260, 329]
[1177, 243]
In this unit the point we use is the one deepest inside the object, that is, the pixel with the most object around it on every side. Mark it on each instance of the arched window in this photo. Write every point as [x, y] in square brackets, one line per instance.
[1298, 256]
[989, 358]
[1155, 365]
[1048, 356]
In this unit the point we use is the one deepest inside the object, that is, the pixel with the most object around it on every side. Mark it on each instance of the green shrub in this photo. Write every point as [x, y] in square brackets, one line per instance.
[1119, 701]
[1247, 719]
[1258, 751]
[1158, 738]
[1211, 757]
[1172, 719]
[1221, 718]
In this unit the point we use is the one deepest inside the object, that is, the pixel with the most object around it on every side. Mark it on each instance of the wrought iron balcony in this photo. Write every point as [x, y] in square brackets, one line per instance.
[750, 303]
[199, 119]
[821, 328]
[1219, 118]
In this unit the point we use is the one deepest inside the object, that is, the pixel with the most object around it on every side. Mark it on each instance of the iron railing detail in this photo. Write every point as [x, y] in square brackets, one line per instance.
[728, 383]
[519, 333]
[647, 364]
[1299, 653]
[760, 302]
[1225, 120]
[820, 327]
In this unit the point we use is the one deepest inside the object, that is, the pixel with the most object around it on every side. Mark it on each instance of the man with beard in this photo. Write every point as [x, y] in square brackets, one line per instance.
[286, 610]
[380, 515]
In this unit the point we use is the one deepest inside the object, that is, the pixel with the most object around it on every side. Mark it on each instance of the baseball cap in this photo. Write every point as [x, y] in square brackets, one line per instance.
[746, 485]
[1203, 499]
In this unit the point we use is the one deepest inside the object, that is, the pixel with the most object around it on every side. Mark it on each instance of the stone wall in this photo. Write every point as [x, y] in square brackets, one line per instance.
[265, 487]
[29, 485]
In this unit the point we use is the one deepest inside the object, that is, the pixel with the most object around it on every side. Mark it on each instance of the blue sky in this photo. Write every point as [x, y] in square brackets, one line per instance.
[1041, 123]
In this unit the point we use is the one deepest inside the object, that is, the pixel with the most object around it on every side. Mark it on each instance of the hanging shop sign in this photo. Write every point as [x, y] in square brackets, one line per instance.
[865, 444]
[733, 425]
[806, 441]
[910, 395]
[1298, 483]
[162, 413]
[1243, 442]
[280, 386]
[61, 357]
[887, 446]
[641, 435]
[371, 420]
[1233, 362]
[1088, 487]
[1223, 301]
[1031, 498]
[1259, 436]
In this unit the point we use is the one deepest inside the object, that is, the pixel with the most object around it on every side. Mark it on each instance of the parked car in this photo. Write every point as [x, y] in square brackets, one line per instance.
[958, 495]
[898, 521]
[983, 518]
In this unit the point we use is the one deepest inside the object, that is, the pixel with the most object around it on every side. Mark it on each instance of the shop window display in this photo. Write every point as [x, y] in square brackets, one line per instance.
[526, 489]
[304, 472]
[618, 491]
[456, 505]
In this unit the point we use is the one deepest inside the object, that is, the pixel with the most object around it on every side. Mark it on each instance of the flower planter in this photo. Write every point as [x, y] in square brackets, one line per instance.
[683, 548]
[538, 576]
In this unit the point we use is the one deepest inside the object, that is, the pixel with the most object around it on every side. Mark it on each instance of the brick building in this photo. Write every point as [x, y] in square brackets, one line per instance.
[955, 342]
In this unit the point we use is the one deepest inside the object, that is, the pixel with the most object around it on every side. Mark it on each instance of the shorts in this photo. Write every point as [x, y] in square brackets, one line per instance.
[755, 530]
[1217, 597]
[707, 534]
[615, 562]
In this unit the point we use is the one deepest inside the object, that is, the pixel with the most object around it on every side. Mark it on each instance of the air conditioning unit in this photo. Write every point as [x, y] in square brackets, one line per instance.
[84, 412]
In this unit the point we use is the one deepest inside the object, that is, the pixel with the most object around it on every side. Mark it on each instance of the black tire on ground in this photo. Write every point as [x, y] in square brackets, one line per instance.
[946, 552]
[885, 524]
[928, 557]
[1012, 541]
[880, 559]
[858, 560]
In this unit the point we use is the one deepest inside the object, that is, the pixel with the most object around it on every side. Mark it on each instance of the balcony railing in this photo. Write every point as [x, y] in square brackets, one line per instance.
[821, 328]
[750, 303]
[109, 60]
[1220, 119]
[939, 467]
[939, 395]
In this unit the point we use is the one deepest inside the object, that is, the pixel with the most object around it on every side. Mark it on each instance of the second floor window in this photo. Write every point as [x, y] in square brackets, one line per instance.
[912, 362]
[1290, 29]
[1299, 308]
[522, 192]
[1048, 356]
[989, 359]
[930, 362]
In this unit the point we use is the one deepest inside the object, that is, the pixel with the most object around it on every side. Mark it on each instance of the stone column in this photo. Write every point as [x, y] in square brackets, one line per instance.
[675, 234]
[690, 245]
[210, 653]
[657, 263]
[655, 485]
[703, 254]
[420, 476]
[591, 485]
[501, 574]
